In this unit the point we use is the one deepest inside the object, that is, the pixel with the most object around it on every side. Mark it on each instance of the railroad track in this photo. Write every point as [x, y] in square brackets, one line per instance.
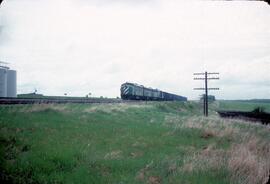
[6, 101]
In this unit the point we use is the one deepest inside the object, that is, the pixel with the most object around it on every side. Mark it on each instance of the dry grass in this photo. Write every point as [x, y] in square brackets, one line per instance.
[208, 133]
[110, 108]
[114, 155]
[154, 180]
[249, 161]
[139, 144]
[142, 174]
[173, 120]
[136, 154]
[211, 127]
[208, 158]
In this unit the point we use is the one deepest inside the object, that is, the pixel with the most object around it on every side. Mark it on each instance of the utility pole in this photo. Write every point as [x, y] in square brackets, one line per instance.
[206, 78]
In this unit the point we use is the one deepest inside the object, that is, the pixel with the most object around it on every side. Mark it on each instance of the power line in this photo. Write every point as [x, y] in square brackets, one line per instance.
[204, 88]
[206, 78]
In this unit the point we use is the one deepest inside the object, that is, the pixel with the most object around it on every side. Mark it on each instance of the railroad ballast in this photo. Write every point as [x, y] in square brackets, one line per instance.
[131, 91]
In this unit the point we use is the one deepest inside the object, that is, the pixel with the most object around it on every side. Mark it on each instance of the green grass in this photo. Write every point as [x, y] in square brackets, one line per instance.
[242, 105]
[113, 143]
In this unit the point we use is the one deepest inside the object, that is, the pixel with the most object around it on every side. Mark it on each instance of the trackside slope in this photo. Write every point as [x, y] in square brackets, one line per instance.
[153, 142]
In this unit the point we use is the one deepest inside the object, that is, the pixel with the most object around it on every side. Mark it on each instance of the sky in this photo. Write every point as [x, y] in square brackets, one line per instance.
[93, 46]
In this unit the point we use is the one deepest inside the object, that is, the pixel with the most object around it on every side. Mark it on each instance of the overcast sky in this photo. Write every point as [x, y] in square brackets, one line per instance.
[82, 46]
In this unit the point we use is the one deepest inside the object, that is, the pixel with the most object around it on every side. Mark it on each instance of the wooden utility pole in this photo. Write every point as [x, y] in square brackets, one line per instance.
[206, 78]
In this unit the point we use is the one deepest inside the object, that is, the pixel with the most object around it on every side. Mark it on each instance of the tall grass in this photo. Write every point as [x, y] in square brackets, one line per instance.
[157, 142]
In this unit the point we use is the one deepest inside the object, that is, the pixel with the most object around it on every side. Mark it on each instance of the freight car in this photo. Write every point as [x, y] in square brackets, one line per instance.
[131, 91]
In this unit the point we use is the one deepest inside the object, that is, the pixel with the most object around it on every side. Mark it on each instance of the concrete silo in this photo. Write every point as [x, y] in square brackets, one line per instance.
[11, 83]
[3, 82]
[8, 81]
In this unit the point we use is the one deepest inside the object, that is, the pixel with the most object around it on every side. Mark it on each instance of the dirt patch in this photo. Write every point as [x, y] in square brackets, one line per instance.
[154, 180]
[206, 134]
[140, 176]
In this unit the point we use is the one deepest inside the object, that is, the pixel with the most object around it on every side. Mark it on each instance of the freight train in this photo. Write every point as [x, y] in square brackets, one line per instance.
[131, 91]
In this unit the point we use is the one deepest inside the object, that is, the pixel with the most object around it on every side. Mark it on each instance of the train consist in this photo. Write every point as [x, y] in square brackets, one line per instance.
[131, 91]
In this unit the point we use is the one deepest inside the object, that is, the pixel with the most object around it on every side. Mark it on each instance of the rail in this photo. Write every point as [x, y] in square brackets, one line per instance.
[7, 101]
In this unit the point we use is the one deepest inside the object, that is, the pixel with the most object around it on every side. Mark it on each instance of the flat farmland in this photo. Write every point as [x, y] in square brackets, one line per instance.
[243, 105]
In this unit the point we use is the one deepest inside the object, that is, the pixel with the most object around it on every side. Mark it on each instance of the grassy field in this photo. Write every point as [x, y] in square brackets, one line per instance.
[157, 142]
[242, 105]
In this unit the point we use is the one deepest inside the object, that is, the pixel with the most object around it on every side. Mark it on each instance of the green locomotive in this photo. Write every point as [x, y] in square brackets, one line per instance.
[131, 91]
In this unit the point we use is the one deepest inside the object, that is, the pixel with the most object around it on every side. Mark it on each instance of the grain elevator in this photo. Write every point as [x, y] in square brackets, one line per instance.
[8, 81]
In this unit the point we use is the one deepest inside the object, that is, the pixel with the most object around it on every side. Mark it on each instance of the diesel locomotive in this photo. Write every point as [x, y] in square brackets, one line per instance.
[131, 91]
